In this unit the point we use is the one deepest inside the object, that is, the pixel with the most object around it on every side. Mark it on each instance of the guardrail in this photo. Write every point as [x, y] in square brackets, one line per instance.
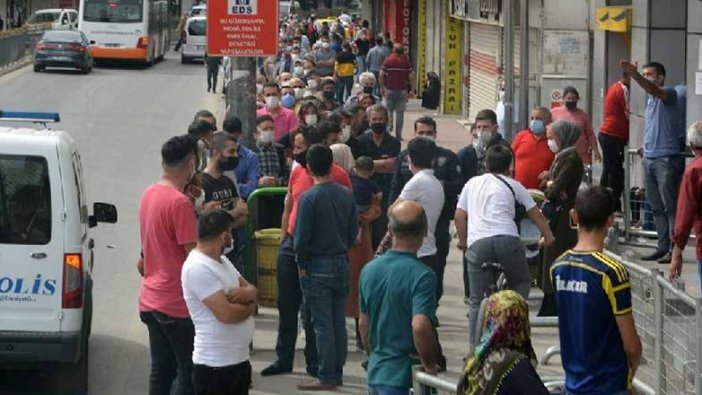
[669, 322]
[17, 44]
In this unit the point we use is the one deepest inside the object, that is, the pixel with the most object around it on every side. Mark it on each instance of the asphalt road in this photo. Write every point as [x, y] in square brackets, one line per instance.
[119, 115]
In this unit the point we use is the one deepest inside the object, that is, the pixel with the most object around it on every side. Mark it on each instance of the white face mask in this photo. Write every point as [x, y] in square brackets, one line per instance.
[299, 93]
[312, 84]
[272, 102]
[346, 133]
[325, 45]
[311, 119]
[265, 136]
[430, 137]
[229, 248]
[199, 201]
[298, 71]
[553, 146]
[259, 88]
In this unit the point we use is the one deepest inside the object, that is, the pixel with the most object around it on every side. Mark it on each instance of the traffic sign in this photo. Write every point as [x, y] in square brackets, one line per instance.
[242, 28]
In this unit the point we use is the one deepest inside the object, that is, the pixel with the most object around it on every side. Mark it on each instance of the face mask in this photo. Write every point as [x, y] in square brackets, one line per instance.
[272, 102]
[228, 164]
[299, 93]
[259, 88]
[485, 137]
[265, 136]
[553, 146]
[301, 158]
[298, 71]
[329, 95]
[228, 245]
[288, 101]
[571, 105]
[325, 46]
[537, 126]
[311, 119]
[346, 133]
[289, 49]
[295, 56]
[199, 201]
[378, 128]
[367, 89]
[312, 84]
[652, 79]
[478, 144]
[428, 137]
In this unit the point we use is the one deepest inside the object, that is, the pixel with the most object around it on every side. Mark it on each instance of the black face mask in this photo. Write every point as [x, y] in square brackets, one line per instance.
[328, 95]
[228, 164]
[367, 89]
[301, 158]
[378, 128]
[571, 105]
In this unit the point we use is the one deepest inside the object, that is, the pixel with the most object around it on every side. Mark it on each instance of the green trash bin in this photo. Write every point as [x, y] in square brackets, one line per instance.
[267, 246]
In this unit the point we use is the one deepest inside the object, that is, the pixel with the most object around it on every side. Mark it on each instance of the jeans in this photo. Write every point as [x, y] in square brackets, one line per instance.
[396, 102]
[212, 73]
[171, 345]
[662, 179]
[343, 84]
[387, 390]
[289, 305]
[376, 88]
[361, 62]
[505, 250]
[612, 165]
[325, 286]
[225, 380]
[443, 240]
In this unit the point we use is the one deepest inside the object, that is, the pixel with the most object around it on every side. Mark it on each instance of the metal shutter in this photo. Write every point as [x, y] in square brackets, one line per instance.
[485, 60]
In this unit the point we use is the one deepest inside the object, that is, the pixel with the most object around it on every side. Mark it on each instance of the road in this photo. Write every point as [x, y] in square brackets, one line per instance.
[119, 117]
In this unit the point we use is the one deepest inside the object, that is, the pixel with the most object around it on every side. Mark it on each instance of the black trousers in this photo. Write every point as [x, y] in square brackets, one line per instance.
[225, 380]
[612, 165]
[212, 73]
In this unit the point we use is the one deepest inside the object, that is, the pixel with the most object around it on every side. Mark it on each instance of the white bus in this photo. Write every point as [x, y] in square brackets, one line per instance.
[126, 29]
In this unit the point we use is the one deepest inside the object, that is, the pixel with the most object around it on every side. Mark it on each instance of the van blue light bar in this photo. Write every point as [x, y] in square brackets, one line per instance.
[29, 116]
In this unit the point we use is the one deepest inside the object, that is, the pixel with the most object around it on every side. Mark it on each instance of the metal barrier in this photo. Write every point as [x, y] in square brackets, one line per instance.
[17, 44]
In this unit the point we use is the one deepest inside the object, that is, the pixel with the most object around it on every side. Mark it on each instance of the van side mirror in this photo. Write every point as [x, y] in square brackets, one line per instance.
[103, 212]
[92, 42]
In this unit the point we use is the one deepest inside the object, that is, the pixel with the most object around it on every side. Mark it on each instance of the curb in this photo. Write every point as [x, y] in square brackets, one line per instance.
[16, 65]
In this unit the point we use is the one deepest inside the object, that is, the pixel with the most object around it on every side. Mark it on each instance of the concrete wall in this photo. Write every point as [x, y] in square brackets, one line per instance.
[694, 60]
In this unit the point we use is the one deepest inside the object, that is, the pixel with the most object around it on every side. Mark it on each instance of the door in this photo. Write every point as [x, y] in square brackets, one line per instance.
[73, 17]
[31, 242]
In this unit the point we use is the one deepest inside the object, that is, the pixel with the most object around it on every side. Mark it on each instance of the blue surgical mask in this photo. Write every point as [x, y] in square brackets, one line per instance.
[537, 126]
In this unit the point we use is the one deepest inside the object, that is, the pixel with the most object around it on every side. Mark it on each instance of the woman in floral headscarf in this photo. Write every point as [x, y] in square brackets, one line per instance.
[503, 362]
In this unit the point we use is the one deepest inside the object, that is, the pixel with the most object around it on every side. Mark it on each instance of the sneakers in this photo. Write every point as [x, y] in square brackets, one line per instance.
[275, 369]
[658, 254]
[665, 258]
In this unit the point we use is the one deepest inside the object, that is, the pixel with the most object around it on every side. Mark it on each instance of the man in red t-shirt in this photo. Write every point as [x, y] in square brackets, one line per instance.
[532, 156]
[168, 229]
[289, 293]
[614, 135]
[396, 78]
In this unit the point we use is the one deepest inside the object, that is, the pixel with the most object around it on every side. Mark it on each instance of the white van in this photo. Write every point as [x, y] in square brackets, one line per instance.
[59, 18]
[46, 252]
[194, 39]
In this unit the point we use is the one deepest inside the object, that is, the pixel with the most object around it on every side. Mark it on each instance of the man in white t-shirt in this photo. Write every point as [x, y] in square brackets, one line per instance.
[221, 304]
[488, 233]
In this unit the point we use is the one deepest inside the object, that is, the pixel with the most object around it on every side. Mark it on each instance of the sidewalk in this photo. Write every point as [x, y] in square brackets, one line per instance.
[453, 332]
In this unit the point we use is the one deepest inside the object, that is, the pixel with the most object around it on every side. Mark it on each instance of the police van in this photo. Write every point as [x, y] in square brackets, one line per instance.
[46, 252]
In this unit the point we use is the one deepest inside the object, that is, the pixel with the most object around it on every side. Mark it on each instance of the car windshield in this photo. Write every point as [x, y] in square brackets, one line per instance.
[61, 36]
[114, 11]
[44, 17]
[197, 27]
[25, 200]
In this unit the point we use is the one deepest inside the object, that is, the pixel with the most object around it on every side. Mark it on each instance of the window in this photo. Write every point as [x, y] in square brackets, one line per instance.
[197, 27]
[44, 17]
[62, 36]
[25, 200]
[114, 11]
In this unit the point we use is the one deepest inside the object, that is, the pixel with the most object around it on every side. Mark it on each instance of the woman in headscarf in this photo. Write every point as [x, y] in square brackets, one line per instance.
[343, 156]
[503, 362]
[560, 187]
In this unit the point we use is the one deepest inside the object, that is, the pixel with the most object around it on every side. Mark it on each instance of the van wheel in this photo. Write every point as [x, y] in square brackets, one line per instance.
[73, 377]
[184, 60]
[37, 68]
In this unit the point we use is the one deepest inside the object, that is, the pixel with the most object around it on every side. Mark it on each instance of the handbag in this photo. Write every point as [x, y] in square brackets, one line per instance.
[550, 209]
[520, 211]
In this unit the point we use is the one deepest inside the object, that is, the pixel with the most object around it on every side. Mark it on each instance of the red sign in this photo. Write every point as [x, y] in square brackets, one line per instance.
[242, 27]
[397, 22]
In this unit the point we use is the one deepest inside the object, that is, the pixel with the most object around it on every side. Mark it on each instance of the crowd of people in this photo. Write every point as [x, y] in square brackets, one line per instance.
[365, 230]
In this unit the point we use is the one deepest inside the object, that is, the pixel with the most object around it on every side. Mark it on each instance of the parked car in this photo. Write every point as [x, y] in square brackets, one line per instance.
[194, 39]
[199, 10]
[59, 18]
[46, 251]
[63, 48]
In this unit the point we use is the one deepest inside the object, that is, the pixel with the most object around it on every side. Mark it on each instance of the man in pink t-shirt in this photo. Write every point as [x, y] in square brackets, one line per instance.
[284, 119]
[587, 143]
[168, 228]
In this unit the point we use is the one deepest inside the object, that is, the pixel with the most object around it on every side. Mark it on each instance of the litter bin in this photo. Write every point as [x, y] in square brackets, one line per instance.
[267, 246]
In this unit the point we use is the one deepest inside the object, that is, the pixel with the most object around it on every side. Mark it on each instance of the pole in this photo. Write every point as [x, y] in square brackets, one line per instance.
[241, 95]
[509, 68]
[523, 64]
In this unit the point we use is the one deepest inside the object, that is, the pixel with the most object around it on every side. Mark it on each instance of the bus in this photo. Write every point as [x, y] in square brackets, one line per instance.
[136, 30]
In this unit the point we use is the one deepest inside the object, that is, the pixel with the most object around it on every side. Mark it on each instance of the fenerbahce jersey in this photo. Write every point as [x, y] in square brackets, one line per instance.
[591, 289]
